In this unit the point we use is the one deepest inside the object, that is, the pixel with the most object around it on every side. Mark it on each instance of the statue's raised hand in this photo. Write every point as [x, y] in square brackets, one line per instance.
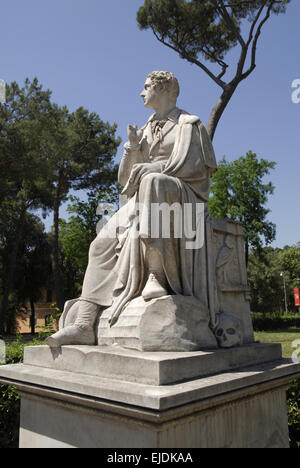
[133, 136]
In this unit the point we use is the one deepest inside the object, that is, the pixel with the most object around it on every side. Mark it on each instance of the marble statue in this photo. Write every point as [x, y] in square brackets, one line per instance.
[167, 162]
[165, 288]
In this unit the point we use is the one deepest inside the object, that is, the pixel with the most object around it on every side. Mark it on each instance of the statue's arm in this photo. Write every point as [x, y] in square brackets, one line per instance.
[130, 157]
[132, 154]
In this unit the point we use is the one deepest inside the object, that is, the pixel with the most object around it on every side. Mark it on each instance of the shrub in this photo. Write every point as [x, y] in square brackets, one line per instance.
[10, 417]
[293, 398]
[10, 400]
[274, 322]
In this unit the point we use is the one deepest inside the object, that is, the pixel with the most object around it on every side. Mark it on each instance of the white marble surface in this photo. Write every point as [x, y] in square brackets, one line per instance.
[149, 367]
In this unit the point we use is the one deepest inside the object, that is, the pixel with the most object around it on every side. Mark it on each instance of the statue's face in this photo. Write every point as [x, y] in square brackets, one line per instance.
[150, 95]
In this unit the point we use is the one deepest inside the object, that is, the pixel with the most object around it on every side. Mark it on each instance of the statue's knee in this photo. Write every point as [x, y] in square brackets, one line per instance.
[152, 179]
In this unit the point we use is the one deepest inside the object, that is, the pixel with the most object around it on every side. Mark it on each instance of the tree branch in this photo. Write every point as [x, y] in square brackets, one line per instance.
[244, 51]
[255, 41]
[184, 54]
[222, 72]
[220, 62]
[224, 13]
[205, 51]
[255, 22]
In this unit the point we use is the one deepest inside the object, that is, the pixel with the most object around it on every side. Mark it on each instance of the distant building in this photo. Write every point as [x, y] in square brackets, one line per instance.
[43, 313]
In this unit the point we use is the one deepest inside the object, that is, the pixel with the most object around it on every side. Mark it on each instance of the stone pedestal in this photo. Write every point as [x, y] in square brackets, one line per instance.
[108, 397]
[170, 323]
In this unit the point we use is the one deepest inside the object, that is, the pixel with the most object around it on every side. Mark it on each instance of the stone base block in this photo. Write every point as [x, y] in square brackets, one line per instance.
[146, 367]
[245, 408]
[48, 423]
[93, 397]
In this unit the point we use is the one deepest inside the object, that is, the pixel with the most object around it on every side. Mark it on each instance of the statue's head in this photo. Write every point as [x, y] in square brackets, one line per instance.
[160, 85]
[164, 81]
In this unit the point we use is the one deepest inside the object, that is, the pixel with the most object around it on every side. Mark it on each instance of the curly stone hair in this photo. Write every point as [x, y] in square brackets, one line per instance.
[166, 79]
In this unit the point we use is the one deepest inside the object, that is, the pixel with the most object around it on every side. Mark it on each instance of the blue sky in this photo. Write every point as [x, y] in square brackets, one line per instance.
[91, 53]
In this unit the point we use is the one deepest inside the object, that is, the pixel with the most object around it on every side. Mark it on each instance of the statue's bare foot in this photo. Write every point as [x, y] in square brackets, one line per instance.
[154, 288]
[73, 335]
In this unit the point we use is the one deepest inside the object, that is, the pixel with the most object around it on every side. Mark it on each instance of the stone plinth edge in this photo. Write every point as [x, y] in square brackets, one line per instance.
[150, 368]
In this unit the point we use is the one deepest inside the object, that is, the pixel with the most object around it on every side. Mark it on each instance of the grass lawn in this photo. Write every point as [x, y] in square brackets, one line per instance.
[285, 337]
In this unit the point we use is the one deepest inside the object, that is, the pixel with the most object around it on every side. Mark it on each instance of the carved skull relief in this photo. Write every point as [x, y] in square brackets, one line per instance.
[229, 331]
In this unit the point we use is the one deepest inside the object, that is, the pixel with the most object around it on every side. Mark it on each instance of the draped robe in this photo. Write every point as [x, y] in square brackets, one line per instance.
[116, 270]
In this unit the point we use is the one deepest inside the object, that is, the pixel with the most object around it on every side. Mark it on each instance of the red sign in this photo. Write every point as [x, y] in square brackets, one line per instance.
[297, 297]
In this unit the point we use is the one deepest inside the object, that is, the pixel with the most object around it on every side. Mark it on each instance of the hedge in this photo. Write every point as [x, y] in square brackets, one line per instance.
[274, 322]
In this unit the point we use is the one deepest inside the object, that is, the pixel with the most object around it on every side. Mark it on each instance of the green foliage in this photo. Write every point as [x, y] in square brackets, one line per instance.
[50, 327]
[204, 31]
[14, 351]
[10, 404]
[293, 398]
[286, 338]
[272, 322]
[45, 151]
[79, 231]
[9, 398]
[239, 193]
[205, 28]
[266, 284]
[193, 27]
[32, 270]
[290, 262]
[22, 120]
[81, 148]
[10, 417]
[267, 294]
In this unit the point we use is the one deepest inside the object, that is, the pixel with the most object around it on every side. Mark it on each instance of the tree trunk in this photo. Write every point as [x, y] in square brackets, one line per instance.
[8, 284]
[55, 253]
[32, 316]
[219, 109]
[247, 252]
